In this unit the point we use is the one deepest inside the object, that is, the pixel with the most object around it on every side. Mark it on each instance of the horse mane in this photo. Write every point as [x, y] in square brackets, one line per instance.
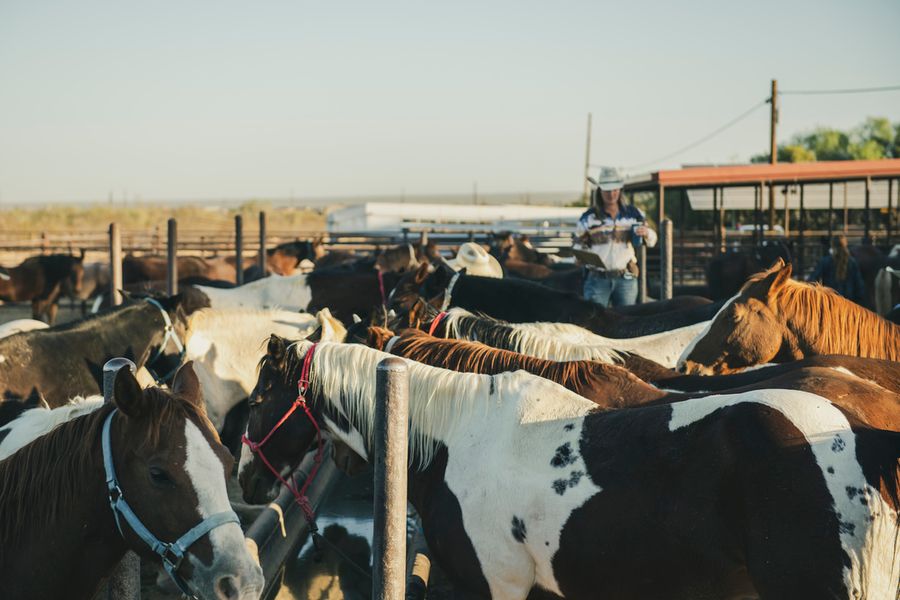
[42, 480]
[500, 334]
[833, 324]
[473, 357]
[441, 402]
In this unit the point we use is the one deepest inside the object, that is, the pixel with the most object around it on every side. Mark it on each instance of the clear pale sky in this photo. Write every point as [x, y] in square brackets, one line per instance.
[264, 99]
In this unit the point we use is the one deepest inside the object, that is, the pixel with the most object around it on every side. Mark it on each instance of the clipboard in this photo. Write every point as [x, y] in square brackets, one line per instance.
[588, 258]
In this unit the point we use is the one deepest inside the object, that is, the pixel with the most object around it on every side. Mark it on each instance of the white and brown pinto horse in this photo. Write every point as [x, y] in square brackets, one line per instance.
[59, 532]
[776, 319]
[522, 485]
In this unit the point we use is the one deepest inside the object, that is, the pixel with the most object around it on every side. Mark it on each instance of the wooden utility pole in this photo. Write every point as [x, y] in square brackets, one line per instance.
[587, 164]
[773, 148]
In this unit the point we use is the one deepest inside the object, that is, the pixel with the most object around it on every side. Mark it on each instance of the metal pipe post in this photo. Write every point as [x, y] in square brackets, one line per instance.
[887, 238]
[262, 243]
[666, 260]
[801, 230]
[391, 464]
[642, 273]
[115, 264]
[239, 249]
[867, 214]
[830, 212]
[124, 581]
[172, 259]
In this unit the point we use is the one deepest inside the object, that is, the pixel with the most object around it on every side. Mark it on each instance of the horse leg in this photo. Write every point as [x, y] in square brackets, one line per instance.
[52, 309]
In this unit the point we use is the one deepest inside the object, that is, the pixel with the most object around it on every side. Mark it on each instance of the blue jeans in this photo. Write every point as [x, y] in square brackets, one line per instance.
[610, 291]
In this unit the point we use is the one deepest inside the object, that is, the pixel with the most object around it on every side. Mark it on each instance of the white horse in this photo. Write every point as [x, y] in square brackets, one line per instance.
[20, 325]
[226, 345]
[275, 291]
[564, 341]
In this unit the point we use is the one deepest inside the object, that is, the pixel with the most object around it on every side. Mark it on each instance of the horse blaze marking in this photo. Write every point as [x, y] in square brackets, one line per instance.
[563, 457]
[518, 529]
[838, 444]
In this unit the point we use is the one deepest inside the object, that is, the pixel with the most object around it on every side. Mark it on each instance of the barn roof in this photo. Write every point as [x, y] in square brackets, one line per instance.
[779, 174]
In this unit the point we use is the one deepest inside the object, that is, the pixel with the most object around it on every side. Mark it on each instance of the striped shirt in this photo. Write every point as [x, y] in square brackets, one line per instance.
[609, 238]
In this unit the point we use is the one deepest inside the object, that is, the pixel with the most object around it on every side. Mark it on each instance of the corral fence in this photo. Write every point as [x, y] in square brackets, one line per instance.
[691, 250]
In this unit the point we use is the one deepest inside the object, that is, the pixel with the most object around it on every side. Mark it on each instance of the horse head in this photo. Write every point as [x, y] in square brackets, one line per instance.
[746, 331]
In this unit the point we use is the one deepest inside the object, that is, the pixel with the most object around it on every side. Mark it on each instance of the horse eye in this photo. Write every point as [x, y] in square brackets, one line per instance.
[160, 477]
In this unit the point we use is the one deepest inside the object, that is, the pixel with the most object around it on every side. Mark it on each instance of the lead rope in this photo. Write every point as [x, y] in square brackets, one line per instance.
[437, 321]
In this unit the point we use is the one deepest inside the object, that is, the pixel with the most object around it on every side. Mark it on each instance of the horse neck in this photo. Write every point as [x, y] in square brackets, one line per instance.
[86, 544]
[821, 322]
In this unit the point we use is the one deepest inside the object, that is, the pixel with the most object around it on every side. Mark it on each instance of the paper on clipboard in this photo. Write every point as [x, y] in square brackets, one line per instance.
[588, 258]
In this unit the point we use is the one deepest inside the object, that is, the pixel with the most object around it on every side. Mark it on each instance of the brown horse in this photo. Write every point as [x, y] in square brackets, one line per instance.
[42, 280]
[775, 319]
[59, 531]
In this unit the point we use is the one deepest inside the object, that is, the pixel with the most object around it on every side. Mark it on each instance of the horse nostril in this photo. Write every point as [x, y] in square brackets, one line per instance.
[227, 588]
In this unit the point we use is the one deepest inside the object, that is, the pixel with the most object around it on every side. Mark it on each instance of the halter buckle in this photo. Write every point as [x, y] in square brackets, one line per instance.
[171, 557]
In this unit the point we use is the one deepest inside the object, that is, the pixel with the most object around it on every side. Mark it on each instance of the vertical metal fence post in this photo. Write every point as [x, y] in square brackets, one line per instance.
[239, 249]
[124, 582]
[115, 264]
[390, 446]
[262, 242]
[172, 259]
[665, 260]
[642, 273]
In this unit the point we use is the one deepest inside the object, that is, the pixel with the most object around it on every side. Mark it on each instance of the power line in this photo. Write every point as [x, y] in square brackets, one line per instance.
[705, 138]
[887, 88]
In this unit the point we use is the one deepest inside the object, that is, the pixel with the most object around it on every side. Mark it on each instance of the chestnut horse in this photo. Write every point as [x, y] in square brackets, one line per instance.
[64, 503]
[775, 319]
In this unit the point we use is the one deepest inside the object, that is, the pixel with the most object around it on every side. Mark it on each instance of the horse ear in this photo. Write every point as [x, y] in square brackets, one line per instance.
[81, 255]
[773, 280]
[187, 385]
[422, 273]
[36, 399]
[128, 395]
[276, 349]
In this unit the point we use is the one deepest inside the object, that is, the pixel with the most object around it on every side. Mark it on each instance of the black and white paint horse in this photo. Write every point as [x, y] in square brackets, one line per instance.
[522, 485]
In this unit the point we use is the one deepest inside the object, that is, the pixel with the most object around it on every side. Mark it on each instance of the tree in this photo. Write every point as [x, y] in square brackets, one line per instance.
[875, 138]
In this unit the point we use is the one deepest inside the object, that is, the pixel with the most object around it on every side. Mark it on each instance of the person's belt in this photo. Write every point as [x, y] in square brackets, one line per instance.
[609, 274]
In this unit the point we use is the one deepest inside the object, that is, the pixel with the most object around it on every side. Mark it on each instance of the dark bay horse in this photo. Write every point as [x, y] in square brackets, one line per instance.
[776, 319]
[68, 360]
[520, 301]
[349, 289]
[524, 486]
[59, 532]
[42, 280]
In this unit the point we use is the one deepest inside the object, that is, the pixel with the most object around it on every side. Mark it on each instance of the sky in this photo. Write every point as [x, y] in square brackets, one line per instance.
[204, 100]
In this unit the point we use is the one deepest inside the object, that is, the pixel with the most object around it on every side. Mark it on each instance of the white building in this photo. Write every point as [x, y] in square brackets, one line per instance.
[395, 216]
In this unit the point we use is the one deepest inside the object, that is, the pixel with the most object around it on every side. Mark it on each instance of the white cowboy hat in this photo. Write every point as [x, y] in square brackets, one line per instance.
[476, 261]
[608, 179]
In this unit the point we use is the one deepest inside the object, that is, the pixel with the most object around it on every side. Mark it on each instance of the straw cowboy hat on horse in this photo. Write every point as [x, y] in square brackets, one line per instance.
[476, 261]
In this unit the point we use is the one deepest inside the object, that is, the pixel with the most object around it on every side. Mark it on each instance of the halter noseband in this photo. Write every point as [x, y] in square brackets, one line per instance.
[172, 554]
[170, 334]
[256, 447]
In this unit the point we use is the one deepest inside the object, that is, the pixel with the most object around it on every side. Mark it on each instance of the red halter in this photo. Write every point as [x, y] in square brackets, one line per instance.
[256, 447]
[437, 321]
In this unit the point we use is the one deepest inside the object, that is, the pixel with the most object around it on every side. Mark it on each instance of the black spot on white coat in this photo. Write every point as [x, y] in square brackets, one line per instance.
[564, 456]
[518, 529]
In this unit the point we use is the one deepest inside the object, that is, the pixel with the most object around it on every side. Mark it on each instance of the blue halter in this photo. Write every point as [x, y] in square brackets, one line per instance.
[173, 553]
[170, 334]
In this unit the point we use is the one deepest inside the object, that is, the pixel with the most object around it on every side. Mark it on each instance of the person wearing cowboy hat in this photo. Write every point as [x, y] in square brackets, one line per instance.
[607, 234]
[476, 261]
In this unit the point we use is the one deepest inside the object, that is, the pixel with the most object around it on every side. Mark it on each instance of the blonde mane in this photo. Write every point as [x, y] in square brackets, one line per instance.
[441, 403]
[828, 323]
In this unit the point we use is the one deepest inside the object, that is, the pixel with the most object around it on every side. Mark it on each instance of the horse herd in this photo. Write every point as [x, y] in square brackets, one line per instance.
[677, 449]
